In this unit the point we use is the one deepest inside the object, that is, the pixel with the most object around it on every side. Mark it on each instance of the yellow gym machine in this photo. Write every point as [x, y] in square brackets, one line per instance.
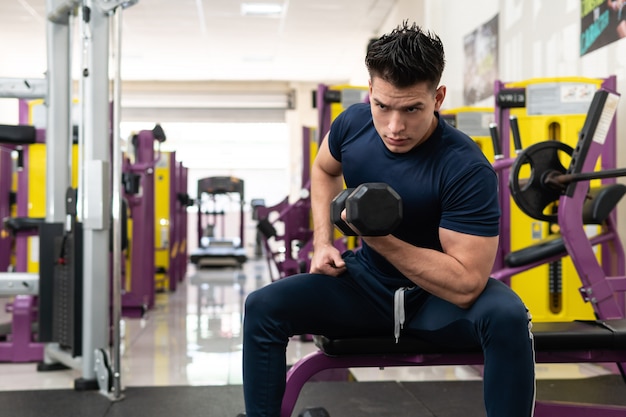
[475, 122]
[545, 109]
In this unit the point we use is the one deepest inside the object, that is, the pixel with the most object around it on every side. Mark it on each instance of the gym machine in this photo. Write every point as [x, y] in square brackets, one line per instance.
[138, 178]
[170, 205]
[546, 109]
[23, 210]
[77, 335]
[285, 228]
[475, 122]
[20, 344]
[219, 251]
[600, 341]
[182, 202]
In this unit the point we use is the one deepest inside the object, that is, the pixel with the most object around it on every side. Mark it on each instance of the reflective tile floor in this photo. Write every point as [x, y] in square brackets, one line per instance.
[193, 337]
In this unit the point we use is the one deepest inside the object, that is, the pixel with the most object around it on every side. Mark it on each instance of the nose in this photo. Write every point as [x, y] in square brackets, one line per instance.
[396, 123]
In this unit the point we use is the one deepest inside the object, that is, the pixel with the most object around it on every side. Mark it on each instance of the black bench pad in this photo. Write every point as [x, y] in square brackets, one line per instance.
[17, 224]
[558, 336]
[18, 134]
[550, 246]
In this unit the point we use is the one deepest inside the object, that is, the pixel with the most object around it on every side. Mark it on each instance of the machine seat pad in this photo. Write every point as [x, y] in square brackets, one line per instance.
[601, 203]
[545, 248]
[18, 135]
[557, 336]
[596, 209]
[22, 224]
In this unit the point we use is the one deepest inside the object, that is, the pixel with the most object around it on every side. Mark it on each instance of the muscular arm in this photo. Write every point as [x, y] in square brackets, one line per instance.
[326, 183]
[458, 274]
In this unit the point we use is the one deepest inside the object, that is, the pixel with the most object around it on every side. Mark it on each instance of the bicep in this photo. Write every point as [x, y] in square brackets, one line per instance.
[475, 253]
[325, 161]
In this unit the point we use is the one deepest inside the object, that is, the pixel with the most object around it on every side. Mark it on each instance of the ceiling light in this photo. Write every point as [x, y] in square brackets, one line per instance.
[261, 9]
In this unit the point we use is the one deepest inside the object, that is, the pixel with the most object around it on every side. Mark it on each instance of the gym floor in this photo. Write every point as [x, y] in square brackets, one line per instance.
[192, 338]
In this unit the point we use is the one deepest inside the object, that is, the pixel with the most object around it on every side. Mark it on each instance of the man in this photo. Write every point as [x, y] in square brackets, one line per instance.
[433, 270]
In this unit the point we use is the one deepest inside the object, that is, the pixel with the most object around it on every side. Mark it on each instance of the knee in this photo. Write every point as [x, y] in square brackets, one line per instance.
[502, 307]
[257, 304]
[510, 316]
[263, 317]
[508, 320]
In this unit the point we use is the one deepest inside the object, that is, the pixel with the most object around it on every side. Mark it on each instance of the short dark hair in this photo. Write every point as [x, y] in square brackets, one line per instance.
[406, 56]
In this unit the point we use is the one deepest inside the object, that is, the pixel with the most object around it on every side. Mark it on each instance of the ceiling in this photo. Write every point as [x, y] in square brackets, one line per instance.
[183, 40]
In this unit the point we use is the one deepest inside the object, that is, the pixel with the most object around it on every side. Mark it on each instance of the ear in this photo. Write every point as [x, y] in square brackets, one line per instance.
[440, 94]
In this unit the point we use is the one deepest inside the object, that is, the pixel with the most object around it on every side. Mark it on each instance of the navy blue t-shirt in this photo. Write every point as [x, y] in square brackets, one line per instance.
[444, 182]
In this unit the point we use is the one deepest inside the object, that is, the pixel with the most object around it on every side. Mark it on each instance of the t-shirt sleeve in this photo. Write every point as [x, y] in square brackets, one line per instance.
[470, 205]
[336, 135]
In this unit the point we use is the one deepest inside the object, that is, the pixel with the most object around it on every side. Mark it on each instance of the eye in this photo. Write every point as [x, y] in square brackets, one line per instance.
[381, 106]
[412, 109]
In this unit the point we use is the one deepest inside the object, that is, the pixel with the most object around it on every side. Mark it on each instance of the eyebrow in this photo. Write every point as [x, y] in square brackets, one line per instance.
[409, 106]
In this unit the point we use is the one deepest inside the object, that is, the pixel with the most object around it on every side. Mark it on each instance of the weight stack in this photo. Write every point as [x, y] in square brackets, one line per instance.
[61, 286]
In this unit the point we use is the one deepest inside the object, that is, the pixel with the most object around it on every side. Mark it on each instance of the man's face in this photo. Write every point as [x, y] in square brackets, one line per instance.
[404, 117]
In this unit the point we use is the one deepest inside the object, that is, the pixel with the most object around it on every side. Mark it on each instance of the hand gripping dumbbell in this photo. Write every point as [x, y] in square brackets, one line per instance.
[372, 208]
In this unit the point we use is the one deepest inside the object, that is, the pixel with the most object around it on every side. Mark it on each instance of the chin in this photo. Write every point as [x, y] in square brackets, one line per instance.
[399, 149]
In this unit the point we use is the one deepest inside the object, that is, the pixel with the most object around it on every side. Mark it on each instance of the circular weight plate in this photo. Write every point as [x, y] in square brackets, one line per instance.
[527, 178]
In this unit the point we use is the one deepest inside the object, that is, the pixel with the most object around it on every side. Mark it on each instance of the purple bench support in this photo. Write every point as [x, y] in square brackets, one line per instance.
[21, 347]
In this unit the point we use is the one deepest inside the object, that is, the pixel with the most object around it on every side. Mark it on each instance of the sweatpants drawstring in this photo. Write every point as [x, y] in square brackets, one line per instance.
[398, 311]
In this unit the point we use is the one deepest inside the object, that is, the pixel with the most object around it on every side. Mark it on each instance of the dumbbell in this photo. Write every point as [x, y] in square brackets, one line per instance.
[372, 208]
[314, 412]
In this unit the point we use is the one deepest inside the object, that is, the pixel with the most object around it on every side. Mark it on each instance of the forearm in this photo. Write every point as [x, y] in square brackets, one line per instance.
[436, 272]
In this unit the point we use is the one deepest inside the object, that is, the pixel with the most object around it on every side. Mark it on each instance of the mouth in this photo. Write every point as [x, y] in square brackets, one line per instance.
[397, 141]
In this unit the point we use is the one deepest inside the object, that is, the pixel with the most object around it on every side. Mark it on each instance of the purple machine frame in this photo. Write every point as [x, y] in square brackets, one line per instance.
[21, 346]
[182, 202]
[6, 176]
[140, 296]
[174, 231]
[602, 285]
[178, 222]
[295, 217]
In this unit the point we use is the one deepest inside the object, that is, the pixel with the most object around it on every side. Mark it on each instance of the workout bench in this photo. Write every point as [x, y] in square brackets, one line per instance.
[599, 341]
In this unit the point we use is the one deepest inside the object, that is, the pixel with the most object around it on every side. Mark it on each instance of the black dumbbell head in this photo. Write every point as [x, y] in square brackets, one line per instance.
[314, 412]
[336, 207]
[374, 209]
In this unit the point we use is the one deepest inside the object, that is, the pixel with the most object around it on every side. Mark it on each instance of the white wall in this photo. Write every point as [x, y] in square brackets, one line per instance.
[304, 115]
[9, 111]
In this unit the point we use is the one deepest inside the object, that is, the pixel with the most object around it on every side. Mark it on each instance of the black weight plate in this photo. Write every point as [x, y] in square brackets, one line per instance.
[374, 209]
[531, 194]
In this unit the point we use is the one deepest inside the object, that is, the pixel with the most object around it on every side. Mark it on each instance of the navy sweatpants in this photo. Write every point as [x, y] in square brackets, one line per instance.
[359, 303]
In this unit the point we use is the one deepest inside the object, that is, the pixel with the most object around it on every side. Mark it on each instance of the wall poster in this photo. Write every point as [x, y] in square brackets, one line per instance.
[601, 22]
[481, 62]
